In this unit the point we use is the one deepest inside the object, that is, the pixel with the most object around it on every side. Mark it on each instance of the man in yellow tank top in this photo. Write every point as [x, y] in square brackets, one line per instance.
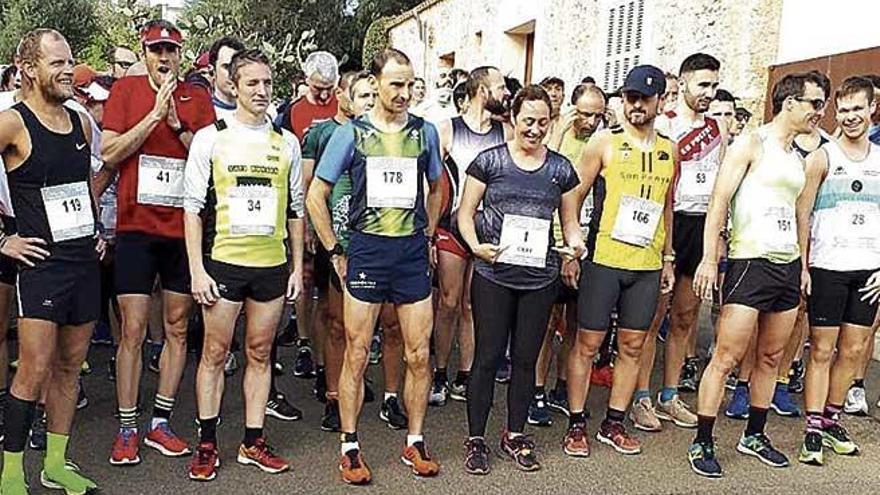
[243, 212]
[759, 184]
[628, 258]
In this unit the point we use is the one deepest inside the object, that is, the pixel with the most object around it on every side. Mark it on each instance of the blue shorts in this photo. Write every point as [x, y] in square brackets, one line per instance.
[388, 269]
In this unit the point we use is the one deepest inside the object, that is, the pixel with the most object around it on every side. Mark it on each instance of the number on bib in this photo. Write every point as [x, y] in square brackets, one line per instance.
[160, 181]
[68, 210]
[392, 182]
[526, 240]
[253, 210]
[637, 220]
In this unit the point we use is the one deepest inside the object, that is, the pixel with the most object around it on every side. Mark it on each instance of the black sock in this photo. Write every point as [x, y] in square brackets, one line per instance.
[577, 418]
[208, 429]
[561, 385]
[742, 383]
[615, 416]
[540, 392]
[462, 377]
[251, 435]
[705, 425]
[859, 382]
[440, 373]
[19, 416]
[303, 342]
[757, 420]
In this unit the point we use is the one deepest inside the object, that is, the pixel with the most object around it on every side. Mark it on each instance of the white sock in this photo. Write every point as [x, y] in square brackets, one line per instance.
[155, 422]
[389, 395]
[412, 439]
[346, 446]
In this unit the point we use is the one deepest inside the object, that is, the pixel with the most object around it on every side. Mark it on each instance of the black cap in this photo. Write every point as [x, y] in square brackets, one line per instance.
[646, 80]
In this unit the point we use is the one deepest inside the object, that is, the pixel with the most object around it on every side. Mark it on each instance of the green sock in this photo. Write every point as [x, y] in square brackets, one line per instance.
[56, 467]
[13, 467]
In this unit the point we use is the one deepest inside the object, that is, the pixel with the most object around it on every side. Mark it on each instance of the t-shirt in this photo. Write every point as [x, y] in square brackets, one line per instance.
[246, 182]
[874, 134]
[387, 171]
[305, 114]
[155, 213]
[517, 205]
[340, 197]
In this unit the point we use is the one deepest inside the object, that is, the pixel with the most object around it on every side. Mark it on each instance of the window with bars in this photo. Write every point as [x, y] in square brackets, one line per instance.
[623, 47]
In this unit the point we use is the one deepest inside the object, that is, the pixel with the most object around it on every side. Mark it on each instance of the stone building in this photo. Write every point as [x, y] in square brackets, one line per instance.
[571, 39]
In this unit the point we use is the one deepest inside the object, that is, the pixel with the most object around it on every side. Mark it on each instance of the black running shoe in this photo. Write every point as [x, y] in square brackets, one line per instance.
[279, 408]
[476, 457]
[330, 421]
[391, 413]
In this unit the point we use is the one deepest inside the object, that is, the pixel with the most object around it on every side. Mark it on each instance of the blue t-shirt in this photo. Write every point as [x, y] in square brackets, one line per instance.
[511, 190]
[874, 134]
[400, 163]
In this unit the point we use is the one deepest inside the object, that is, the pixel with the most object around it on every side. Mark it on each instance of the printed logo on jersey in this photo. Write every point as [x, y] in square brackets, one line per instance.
[857, 186]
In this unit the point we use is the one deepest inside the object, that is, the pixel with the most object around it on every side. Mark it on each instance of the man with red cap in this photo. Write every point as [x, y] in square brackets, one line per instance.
[149, 124]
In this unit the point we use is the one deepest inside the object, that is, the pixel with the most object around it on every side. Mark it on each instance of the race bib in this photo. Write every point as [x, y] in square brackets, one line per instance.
[253, 210]
[695, 184]
[69, 211]
[636, 221]
[856, 225]
[160, 181]
[526, 241]
[779, 229]
[392, 182]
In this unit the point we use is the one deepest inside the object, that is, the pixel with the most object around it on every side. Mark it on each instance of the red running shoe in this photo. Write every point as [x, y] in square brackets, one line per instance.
[261, 455]
[205, 462]
[166, 441]
[125, 448]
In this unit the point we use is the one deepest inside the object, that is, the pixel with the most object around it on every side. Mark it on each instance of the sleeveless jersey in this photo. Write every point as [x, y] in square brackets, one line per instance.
[699, 148]
[629, 195]
[845, 232]
[50, 189]
[762, 212]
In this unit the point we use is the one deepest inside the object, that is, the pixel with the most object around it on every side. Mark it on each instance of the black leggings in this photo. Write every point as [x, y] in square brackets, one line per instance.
[502, 314]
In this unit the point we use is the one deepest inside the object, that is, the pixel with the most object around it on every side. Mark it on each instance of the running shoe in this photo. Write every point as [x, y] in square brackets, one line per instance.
[231, 364]
[303, 366]
[376, 349]
[72, 481]
[614, 434]
[353, 469]
[458, 389]
[643, 416]
[521, 450]
[82, 401]
[101, 335]
[677, 412]
[576, 442]
[279, 408]
[111, 369]
[369, 395]
[277, 369]
[290, 335]
[739, 404]
[85, 369]
[417, 458]
[330, 421]
[37, 440]
[476, 457]
[262, 456]
[392, 414]
[557, 400]
[539, 415]
[125, 448]
[811, 450]
[439, 391]
[732, 381]
[758, 445]
[856, 402]
[836, 438]
[782, 403]
[155, 357]
[205, 462]
[163, 439]
[663, 331]
[796, 377]
[602, 376]
[320, 388]
[502, 374]
[689, 371]
[701, 456]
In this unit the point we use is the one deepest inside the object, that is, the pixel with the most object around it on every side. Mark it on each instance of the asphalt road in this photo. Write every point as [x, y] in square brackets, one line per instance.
[661, 468]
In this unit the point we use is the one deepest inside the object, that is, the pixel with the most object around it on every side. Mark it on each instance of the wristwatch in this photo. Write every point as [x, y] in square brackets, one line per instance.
[337, 250]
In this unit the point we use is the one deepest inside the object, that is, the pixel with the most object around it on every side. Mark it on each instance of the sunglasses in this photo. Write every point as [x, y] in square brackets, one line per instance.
[817, 103]
[123, 64]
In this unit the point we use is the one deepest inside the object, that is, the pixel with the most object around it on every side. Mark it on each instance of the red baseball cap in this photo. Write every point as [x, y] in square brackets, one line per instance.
[83, 75]
[158, 33]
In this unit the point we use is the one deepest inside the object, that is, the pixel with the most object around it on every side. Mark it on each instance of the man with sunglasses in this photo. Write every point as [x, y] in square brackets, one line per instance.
[759, 185]
[122, 60]
[149, 123]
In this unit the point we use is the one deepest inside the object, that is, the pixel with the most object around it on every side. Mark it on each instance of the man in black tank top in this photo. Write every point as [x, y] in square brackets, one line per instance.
[461, 139]
[45, 149]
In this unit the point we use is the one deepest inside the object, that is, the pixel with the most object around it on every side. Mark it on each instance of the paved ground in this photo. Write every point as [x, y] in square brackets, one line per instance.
[662, 467]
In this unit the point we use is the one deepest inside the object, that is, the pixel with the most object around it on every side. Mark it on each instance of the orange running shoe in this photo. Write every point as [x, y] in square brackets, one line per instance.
[353, 468]
[261, 455]
[416, 456]
[166, 441]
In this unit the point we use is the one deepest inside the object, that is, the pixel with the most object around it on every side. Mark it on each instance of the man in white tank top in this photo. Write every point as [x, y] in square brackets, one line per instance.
[843, 247]
[758, 184]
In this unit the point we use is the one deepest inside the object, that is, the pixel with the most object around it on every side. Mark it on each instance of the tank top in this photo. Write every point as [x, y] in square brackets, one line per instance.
[762, 212]
[845, 231]
[699, 148]
[802, 151]
[626, 229]
[466, 145]
[50, 189]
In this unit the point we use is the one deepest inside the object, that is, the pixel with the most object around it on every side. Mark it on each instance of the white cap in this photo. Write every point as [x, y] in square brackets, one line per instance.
[322, 64]
[96, 92]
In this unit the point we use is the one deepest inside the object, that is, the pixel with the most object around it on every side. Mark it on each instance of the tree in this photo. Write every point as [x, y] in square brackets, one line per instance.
[76, 19]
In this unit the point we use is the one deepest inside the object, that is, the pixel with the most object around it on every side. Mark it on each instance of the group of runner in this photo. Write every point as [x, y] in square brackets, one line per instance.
[539, 225]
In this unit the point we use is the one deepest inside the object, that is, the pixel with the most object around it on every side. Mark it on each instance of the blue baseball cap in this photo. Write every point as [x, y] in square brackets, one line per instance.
[646, 80]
